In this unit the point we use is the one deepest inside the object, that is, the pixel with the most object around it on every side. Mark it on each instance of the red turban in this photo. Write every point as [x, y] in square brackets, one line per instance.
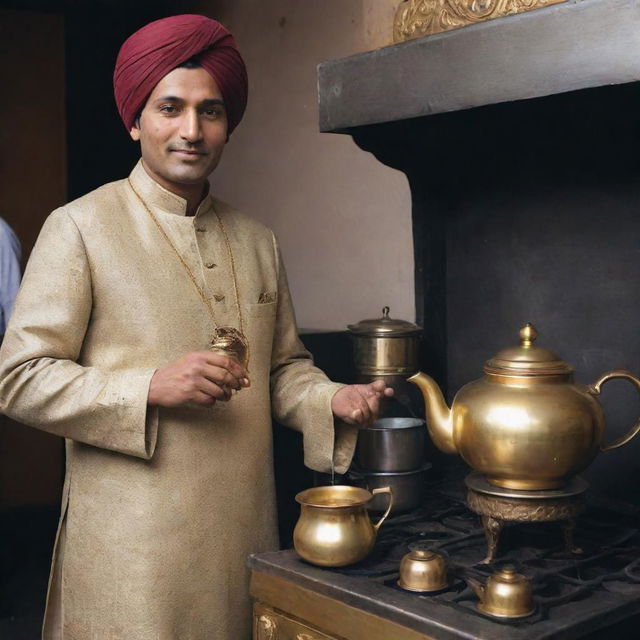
[161, 46]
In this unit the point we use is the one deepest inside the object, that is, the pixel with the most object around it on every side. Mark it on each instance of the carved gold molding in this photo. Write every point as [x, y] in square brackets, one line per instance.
[416, 18]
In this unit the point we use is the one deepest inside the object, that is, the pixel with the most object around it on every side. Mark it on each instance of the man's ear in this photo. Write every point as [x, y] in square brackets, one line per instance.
[135, 130]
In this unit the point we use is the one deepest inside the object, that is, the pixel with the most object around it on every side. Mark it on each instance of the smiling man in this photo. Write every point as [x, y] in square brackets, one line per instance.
[154, 331]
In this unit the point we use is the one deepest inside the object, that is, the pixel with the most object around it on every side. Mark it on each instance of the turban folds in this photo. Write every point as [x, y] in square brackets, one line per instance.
[161, 46]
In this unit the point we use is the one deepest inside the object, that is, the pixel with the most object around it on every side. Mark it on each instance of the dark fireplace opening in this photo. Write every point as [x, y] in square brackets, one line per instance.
[529, 211]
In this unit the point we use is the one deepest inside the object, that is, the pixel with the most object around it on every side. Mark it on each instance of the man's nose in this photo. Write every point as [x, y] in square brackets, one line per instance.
[190, 129]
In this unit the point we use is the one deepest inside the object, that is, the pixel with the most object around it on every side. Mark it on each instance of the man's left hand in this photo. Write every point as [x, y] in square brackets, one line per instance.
[359, 404]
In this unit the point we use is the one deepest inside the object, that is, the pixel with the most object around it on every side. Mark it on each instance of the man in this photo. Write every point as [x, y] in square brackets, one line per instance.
[154, 331]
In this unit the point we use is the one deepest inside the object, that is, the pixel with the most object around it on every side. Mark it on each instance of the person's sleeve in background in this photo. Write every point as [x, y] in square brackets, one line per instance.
[10, 255]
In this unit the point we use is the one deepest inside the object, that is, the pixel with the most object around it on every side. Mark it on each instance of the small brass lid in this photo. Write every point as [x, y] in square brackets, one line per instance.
[527, 359]
[421, 554]
[385, 327]
[508, 575]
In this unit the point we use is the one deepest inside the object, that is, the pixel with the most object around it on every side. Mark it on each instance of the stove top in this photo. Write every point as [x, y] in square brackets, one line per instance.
[582, 590]
[590, 593]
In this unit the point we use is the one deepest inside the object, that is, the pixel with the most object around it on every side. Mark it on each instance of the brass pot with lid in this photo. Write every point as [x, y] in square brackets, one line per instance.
[526, 424]
[385, 346]
[423, 570]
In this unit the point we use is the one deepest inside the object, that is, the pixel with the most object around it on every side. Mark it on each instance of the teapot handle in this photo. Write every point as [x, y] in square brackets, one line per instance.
[376, 526]
[594, 390]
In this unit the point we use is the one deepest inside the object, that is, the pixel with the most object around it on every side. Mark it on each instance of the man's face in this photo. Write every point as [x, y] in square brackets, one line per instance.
[182, 129]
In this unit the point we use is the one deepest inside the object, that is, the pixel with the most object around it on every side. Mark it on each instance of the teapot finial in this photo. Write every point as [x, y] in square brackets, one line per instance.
[508, 573]
[528, 334]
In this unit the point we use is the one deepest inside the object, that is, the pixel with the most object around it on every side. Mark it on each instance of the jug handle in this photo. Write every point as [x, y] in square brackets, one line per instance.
[594, 390]
[376, 526]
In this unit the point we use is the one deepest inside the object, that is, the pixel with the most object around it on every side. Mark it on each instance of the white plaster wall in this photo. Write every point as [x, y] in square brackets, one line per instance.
[342, 218]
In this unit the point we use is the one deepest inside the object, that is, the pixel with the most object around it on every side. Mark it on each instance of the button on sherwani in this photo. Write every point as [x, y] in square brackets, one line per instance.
[161, 506]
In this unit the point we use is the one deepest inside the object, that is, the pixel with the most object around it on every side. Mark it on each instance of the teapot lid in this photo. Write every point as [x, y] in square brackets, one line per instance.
[385, 327]
[527, 359]
[508, 575]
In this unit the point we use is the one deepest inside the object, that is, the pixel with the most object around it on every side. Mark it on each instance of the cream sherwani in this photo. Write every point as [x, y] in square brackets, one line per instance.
[160, 507]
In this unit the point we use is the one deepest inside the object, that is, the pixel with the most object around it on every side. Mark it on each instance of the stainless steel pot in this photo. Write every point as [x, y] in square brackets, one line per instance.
[391, 444]
[407, 487]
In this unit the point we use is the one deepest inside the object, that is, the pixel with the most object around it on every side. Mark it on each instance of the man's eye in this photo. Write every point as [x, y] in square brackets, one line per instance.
[168, 109]
[214, 112]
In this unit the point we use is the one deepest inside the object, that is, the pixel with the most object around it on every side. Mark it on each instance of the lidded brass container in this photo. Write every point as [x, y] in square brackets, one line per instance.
[525, 425]
[506, 594]
[385, 346]
[423, 570]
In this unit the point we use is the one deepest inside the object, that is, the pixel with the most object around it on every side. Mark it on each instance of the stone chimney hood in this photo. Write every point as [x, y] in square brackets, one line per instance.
[519, 137]
[575, 45]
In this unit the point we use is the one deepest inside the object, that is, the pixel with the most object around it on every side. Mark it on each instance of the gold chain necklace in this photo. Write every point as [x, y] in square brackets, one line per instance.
[227, 340]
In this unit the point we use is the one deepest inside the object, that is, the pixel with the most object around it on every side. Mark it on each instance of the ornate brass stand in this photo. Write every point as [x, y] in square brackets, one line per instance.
[497, 506]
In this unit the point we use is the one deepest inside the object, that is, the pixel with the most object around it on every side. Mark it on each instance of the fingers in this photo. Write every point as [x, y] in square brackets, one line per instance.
[380, 387]
[359, 404]
[220, 377]
[203, 399]
[230, 366]
[200, 377]
[213, 389]
[351, 405]
[221, 370]
[372, 393]
[361, 413]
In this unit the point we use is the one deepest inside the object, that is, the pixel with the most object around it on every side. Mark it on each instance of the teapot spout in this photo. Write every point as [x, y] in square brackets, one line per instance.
[437, 413]
[478, 588]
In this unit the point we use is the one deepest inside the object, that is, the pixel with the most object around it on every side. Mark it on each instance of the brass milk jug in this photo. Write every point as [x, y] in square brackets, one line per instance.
[334, 529]
[526, 425]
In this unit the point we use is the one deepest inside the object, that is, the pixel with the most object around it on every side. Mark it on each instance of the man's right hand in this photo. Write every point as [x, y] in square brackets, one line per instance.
[200, 377]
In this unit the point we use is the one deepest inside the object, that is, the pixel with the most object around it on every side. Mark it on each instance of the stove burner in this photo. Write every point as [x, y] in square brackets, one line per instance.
[456, 585]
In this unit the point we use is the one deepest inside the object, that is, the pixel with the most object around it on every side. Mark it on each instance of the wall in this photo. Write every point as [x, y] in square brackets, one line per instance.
[526, 211]
[343, 219]
[32, 183]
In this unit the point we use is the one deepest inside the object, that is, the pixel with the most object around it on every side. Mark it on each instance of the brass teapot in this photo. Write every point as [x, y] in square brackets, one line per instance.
[526, 425]
[506, 594]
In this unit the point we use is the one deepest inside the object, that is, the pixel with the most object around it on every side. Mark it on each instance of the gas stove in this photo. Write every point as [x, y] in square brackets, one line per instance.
[576, 592]
[590, 592]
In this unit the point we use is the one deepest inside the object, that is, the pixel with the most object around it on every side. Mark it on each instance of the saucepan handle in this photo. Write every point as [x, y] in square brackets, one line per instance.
[376, 526]
[595, 388]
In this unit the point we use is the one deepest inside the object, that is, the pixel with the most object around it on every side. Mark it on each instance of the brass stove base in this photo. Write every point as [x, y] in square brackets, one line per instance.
[498, 506]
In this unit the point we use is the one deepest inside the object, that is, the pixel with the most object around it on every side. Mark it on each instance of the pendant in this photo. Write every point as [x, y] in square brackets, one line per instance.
[231, 342]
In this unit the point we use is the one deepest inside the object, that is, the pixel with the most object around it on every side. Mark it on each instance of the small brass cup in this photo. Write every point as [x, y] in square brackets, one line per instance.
[423, 570]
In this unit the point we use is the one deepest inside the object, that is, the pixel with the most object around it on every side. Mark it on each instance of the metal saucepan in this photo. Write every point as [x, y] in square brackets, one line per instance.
[407, 487]
[392, 444]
